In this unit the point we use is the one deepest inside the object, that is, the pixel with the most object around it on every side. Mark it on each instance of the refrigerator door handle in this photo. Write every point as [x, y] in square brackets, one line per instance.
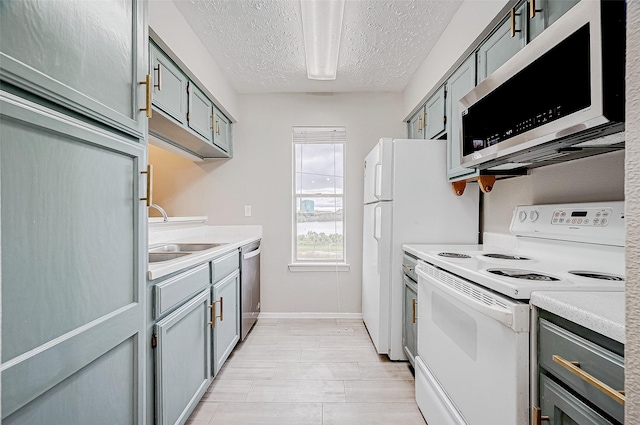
[377, 189]
[377, 230]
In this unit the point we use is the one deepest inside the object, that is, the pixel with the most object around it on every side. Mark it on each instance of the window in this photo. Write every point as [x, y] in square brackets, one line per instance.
[319, 194]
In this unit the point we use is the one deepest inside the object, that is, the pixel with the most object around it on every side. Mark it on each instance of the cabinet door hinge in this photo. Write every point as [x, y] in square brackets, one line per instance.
[445, 92]
[154, 341]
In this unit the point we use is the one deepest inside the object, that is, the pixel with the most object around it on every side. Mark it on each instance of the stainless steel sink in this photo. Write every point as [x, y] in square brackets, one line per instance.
[184, 247]
[156, 257]
[171, 251]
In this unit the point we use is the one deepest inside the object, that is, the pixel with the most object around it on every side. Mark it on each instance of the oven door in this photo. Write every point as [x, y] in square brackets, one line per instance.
[475, 344]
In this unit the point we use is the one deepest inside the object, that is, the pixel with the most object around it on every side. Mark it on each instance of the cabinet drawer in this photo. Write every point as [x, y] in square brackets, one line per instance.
[171, 292]
[223, 266]
[593, 359]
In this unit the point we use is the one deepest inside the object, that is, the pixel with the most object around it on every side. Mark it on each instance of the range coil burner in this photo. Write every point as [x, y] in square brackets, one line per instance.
[453, 255]
[596, 275]
[523, 274]
[506, 257]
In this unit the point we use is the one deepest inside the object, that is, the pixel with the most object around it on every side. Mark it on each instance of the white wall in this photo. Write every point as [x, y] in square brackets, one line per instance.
[599, 178]
[632, 347]
[260, 175]
[471, 21]
[184, 46]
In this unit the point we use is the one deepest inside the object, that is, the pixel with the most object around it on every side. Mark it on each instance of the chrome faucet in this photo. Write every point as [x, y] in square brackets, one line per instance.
[162, 211]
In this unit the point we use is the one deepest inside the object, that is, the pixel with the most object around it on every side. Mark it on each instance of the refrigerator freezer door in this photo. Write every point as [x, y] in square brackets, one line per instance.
[376, 255]
[378, 173]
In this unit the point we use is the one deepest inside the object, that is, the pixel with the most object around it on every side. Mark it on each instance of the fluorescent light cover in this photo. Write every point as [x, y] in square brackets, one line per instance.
[322, 28]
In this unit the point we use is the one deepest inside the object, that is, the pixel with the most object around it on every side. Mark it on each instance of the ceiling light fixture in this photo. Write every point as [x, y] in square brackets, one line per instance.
[322, 29]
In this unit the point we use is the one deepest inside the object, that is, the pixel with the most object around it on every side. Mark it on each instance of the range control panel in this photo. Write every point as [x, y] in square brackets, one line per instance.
[582, 217]
[597, 222]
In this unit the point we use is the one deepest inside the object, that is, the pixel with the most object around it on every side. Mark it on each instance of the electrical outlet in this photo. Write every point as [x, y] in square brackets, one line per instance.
[247, 210]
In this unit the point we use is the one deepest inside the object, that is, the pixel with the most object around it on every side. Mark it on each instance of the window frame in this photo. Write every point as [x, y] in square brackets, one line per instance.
[298, 264]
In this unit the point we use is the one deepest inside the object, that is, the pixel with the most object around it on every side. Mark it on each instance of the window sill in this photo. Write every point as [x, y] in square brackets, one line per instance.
[319, 267]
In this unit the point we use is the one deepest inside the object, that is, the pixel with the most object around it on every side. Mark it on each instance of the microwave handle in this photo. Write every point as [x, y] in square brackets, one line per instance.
[500, 314]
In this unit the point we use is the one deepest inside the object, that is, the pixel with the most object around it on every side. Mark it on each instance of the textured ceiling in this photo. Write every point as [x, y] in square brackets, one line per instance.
[259, 45]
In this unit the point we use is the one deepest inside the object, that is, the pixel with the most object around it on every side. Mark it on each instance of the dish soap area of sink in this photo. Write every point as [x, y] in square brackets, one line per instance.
[171, 251]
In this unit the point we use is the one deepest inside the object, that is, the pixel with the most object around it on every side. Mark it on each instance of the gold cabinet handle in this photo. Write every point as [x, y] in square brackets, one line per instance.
[532, 9]
[212, 307]
[408, 269]
[158, 85]
[413, 305]
[574, 367]
[149, 173]
[213, 122]
[536, 416]
[218, 125]
[149, 88]
[512, 19]
[221, 309]
[420, 124]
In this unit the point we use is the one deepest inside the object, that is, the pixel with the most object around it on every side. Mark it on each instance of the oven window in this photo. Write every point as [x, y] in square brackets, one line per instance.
[553, 86]
[455, 324]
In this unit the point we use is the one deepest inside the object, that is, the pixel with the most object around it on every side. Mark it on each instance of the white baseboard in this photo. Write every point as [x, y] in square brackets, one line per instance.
[265, 315]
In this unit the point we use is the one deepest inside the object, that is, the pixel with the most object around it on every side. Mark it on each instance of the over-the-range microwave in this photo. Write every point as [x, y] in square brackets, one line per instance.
[559, 98]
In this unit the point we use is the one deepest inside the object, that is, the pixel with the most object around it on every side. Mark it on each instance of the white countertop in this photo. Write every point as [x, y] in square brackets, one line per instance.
[602, 312]
[176, 231]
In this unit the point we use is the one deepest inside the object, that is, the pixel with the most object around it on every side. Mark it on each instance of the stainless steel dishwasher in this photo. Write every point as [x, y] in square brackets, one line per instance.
[249, 287]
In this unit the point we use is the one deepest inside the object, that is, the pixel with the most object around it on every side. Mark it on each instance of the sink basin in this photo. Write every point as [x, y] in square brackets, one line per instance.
[184, 247]
[156, 257]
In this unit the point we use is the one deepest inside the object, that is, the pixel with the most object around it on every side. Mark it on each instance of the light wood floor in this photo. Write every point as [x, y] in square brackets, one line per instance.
[309, 372]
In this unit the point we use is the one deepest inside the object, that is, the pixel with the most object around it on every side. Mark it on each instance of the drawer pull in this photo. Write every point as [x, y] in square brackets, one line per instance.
[413, 316]
[408, 269]
[574, 368]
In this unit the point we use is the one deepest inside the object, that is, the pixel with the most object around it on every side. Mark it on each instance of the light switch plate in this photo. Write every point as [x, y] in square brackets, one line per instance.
[247, 210]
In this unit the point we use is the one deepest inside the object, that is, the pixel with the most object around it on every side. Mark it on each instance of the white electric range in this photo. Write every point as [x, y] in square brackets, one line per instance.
[472, 363]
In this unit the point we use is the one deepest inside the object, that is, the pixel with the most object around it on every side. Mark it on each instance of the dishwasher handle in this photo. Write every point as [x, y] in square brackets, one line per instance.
[251, 254]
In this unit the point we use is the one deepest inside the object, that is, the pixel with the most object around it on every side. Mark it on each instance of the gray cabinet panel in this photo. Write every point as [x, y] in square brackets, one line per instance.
[71, 261]
[221, 130]
[434, 119]
[226, 332]
[200, 113]
[170, 86]
[416, 125]
[78, 401]
[177, 289]
[222, 267]
[410, 327]
[547, 12]
[501, 46]
[461, 82]
[86, 55]
[563, 408]
[183, 359]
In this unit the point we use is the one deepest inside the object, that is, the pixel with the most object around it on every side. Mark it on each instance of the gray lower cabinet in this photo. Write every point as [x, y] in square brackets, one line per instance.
[88, 56]
[410, 326]
[434, 118]
[508, 38]
[169, 85]
[182, 359]
[73, 314]
[461, 82]
[226, 318]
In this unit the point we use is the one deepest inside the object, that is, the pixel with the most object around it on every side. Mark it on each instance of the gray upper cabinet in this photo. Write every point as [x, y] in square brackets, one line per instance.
[72, 269]
[434, 118]
[226, 332]
[200, 112]
[169, 86]
[506, 41]
[183, 360]
[459, 84]
[416, 125]
[542, 13]
[84, 55]
[221, 131]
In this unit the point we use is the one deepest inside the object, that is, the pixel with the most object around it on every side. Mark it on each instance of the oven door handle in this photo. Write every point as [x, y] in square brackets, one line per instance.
[503, 315]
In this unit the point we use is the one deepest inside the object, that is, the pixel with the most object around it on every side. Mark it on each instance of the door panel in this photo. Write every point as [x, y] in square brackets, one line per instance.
[71, 289]
[170, 86]
[99, 76]
[409, 330]
[416, 125]
[226, 333]
[221, 130]
[435, 115]
[200, 112]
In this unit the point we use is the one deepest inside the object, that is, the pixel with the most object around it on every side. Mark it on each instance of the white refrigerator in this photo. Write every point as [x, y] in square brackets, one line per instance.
[407, 199]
